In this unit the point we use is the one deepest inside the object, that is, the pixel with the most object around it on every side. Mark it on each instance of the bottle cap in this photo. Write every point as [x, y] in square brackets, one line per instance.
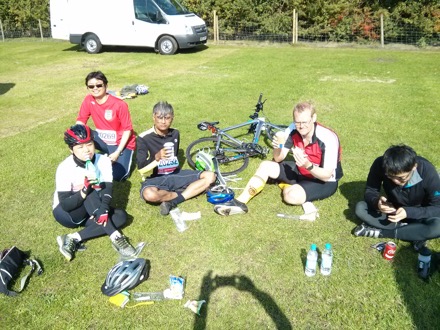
[328, 246]
[313, 247]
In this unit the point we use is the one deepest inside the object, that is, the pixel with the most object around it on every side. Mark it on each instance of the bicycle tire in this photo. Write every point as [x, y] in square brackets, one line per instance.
[209, 143]
[271, 131]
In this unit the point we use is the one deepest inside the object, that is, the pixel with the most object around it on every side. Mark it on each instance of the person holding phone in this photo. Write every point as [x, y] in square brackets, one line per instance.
[410, 208]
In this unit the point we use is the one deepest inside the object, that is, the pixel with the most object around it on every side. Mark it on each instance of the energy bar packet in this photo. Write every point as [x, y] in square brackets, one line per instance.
[194, 305]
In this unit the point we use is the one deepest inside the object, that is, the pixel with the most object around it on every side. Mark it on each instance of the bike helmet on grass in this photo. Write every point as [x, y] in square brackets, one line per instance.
[125, 275]
[204, 161]
[77, 134]
[219, 194]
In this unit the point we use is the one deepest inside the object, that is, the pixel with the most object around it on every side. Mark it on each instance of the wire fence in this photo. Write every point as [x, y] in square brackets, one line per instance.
[226, 32]
[406, 35]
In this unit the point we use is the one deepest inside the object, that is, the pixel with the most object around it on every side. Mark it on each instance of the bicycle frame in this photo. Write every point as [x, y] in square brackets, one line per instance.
[229, 147]
[221, 134]
[259, 125]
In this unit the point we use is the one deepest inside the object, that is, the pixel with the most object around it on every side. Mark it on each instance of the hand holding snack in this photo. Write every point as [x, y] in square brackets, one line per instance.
[300, 157]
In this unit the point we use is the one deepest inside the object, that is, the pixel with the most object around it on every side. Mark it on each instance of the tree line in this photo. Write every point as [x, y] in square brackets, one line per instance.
[339, 17]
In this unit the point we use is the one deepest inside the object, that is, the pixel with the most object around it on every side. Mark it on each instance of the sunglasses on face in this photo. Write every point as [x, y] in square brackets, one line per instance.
[95, 86]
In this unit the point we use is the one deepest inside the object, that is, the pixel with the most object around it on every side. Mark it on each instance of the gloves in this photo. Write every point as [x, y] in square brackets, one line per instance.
[87, 186]
[101, 216]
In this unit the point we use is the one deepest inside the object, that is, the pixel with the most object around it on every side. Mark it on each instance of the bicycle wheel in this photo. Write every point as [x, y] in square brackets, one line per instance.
[271, 131]
[230, 161]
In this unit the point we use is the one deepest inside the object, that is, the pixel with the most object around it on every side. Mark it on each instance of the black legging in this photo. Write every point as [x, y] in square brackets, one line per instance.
[80, 217]
[415, 230]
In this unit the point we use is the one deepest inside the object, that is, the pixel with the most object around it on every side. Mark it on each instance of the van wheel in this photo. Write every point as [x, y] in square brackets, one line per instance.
[92, 44]
[167, 45]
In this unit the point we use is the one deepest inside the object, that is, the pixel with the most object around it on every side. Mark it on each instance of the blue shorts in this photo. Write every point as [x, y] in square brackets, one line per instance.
[315, 189]
[178, 180]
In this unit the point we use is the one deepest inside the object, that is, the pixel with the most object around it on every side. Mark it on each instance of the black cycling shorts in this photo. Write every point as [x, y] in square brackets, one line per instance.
[172, 182]
[315, 189]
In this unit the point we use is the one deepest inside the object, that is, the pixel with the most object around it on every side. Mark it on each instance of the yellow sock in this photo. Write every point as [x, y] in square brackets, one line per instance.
[254, 186]
[283, 185]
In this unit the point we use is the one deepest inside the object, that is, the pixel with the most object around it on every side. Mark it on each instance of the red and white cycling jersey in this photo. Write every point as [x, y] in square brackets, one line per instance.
[111, 119]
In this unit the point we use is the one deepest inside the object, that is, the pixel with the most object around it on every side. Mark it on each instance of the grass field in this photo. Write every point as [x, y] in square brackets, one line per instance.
[249, 268]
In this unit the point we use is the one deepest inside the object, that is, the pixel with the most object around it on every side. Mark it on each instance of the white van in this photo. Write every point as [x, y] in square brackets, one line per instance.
[164, 25]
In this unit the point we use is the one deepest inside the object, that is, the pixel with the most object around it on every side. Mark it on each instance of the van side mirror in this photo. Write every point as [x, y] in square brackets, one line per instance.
[159, 18]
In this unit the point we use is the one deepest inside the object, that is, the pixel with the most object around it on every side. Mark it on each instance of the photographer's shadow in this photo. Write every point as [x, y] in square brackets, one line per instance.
[241, 283]
[420, 298]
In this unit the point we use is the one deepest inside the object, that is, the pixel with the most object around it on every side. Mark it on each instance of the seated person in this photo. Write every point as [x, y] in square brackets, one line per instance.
[114, 130]
[82, 198]
[168, 184]
[410, 208]
[313, 174]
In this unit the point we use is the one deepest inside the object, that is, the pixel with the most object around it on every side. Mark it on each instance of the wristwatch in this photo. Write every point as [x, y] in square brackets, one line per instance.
[310, 167]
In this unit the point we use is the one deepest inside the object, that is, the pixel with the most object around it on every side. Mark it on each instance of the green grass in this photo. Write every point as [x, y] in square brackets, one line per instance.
[248, 268]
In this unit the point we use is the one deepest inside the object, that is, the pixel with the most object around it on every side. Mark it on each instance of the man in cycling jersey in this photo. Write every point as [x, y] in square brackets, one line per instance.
[312, 174]
[410, 208]
[167, 183]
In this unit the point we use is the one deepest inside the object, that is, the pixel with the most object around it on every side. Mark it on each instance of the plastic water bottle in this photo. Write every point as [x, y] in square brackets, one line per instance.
[312, 261]
[92, 173]
[327, 260]
[424, 263]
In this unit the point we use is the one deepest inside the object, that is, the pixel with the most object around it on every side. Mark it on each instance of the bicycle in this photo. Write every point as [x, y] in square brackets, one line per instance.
[231, 153]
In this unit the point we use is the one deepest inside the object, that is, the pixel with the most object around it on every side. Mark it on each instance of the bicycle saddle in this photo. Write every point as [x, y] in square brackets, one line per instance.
[204, 125]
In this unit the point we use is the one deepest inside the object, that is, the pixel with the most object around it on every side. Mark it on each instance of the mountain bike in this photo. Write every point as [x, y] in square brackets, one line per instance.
[231, 153]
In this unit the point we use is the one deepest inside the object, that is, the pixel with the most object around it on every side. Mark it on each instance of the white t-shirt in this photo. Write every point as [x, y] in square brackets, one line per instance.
[70, 176]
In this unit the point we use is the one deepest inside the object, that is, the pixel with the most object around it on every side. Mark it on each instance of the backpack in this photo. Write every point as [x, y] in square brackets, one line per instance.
[11, 260]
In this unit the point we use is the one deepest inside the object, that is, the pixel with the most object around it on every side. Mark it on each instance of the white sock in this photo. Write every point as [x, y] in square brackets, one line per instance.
[308, 207]
[75, 236]
[116, 234]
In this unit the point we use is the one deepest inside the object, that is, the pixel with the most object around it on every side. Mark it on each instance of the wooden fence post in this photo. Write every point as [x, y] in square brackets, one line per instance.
[382, 41]
[1, 28]
[217, 28]
[214, 27]
[293, 26]
[41, 30]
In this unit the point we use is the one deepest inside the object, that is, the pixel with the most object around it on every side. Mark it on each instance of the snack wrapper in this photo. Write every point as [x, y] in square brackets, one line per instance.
[194, 305]
[176, 290]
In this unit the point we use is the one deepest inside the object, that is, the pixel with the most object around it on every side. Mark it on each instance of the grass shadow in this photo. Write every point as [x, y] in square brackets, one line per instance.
[121, 192]
[241, 283]
[5, 87]
[353, 193]
[75, 48]
[421, 299]
[133, 49]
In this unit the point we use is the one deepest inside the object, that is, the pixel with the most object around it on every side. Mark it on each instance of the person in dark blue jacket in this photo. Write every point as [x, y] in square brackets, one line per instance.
[410, 208]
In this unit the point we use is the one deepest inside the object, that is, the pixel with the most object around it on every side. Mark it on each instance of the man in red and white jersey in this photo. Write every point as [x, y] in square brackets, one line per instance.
[312, 174]
[114, 130]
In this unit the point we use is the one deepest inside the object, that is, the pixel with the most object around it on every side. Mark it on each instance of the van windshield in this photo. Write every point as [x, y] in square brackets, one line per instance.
[172, 7]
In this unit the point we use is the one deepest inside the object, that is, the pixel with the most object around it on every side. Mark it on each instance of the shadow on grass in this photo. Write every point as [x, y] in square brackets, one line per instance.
[421, 299]
[121, 192]
[132, 49]
[353, 193]
[241, 283]
[5, 87]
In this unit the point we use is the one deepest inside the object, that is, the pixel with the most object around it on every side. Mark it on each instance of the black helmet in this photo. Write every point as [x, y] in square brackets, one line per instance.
[125, 275]
[77, 134]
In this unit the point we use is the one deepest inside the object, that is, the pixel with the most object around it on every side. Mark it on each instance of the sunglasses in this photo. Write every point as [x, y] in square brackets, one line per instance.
[93, 86]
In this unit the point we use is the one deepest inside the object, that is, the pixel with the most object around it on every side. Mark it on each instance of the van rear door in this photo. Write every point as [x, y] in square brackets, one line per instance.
[58, 19]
